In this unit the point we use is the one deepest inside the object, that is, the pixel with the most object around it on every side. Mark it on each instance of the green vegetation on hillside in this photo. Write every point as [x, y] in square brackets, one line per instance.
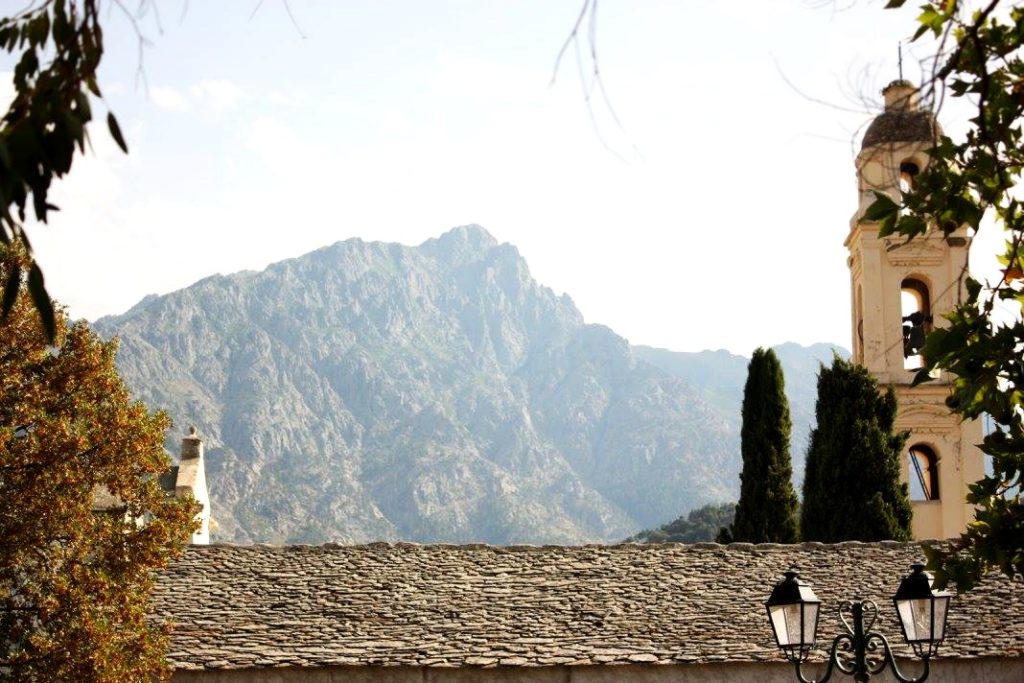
[697, 526]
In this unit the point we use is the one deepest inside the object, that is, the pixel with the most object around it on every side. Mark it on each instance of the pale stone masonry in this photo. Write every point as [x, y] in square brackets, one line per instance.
[900, 291]
[324, 613]
[191, 478]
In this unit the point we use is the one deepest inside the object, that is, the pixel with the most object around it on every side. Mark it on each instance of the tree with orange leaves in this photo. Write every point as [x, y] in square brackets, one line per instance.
[75, 579]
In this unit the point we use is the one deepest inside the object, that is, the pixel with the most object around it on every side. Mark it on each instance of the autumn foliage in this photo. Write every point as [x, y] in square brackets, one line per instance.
[74, 582]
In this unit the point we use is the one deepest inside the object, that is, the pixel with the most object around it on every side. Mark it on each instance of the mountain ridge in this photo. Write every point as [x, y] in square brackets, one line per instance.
[376, 391]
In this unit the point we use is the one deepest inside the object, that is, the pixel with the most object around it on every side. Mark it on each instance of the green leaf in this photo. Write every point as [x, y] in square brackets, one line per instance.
[41, 299]
[921, 376]
[39, 29]
[882, 207]
[115, 132]
[39, 204]
[82, 108]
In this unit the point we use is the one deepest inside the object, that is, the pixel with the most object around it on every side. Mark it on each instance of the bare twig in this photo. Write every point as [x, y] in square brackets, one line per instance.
[141, 41]
[288, 9]
[570, 40]
[811, 98]
[593, 82]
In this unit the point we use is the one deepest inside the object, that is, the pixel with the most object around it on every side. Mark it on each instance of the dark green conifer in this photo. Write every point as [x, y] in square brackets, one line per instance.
[767, 509]
[852, 489]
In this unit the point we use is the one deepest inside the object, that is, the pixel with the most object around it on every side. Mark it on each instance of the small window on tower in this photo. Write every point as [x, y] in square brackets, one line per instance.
[917, 321]
[908, 176]
[924, 473]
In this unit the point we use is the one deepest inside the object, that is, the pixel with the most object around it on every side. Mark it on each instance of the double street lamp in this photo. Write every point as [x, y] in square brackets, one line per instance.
[859, 652]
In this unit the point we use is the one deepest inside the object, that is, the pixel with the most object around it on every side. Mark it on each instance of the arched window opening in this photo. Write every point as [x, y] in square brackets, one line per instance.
[908, 176]
[917, 321]
[924, 473]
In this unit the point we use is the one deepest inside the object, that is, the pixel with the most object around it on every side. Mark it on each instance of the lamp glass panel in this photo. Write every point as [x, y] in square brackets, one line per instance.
[941, 605]
[779, 615]
[918, 623]
[810, 623]
[790, 629]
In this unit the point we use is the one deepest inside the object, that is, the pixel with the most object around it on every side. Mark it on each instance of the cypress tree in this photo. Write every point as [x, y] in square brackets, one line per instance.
[852, 489]
[767, 509]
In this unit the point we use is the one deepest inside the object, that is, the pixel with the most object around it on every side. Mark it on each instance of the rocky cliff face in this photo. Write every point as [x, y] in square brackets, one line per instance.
[720, 375]
[433, 393]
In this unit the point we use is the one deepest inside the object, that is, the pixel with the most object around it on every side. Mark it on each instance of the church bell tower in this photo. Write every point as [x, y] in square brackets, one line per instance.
[900, 290]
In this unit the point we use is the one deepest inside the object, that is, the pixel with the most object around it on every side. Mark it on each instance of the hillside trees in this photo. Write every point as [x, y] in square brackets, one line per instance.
[74, 582]
[852, 490]
[700, 524]
[767, 509]
[974, 182]
[58, 44]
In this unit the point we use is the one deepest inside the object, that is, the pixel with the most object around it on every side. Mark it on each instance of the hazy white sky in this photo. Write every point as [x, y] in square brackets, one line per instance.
[714, 218]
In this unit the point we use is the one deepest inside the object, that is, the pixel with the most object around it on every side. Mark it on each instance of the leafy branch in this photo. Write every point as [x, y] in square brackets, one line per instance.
[970, 184]
[59, 44]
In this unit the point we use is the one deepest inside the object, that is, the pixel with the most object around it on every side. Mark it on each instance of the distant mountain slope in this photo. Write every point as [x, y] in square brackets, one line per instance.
[721, 376]
[433, 393]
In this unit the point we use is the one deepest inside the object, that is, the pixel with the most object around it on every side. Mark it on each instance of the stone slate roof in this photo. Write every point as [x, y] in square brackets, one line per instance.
[475, 605]
[902, 126]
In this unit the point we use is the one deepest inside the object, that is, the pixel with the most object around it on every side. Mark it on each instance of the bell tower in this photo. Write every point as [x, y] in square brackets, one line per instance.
[900, 290]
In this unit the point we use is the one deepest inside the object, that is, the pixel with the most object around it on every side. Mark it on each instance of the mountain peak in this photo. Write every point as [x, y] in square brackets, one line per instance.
[470, 234]
[461, 244]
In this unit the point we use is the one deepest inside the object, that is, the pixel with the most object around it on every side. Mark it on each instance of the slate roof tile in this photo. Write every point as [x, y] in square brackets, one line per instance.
[238, 607]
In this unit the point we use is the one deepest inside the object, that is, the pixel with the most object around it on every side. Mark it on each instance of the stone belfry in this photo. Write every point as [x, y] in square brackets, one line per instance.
[900, 290]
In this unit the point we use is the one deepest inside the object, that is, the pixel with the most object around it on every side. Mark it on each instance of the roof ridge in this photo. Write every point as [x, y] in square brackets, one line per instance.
[527, 547]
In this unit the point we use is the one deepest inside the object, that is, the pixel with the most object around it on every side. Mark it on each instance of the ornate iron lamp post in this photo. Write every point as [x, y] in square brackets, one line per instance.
[860, 652]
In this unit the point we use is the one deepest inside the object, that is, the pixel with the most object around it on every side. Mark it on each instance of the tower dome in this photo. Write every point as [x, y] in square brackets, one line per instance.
[902, 120]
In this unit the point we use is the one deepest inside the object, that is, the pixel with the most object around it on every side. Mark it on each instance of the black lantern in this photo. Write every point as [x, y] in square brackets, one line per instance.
[922, 611]
[860, 652]
[793, 611]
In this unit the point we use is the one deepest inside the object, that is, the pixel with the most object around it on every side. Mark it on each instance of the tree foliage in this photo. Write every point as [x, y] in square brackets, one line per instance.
[767, 509]
[852, 489]
[74, 582]
[699, 525]
[974, 182]
[57, 45]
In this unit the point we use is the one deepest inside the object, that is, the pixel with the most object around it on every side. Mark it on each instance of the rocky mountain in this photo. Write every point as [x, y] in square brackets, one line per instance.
[432, 393]
[721, 376]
